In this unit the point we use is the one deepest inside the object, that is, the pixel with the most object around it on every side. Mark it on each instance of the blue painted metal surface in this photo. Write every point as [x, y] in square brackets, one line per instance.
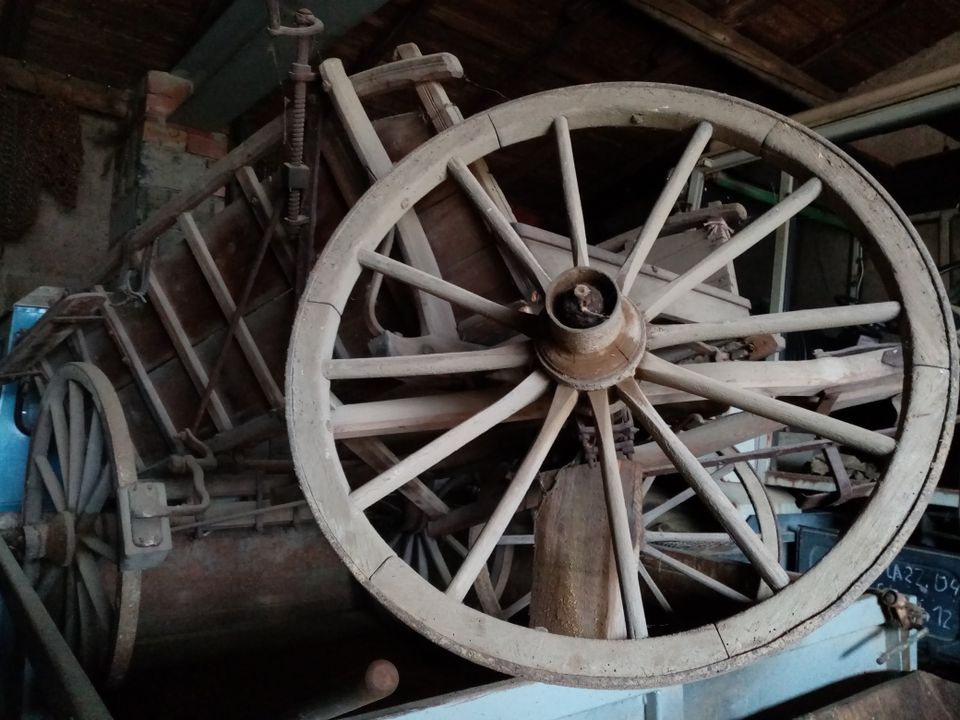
[932, 576]
[13, 443]
[236, 63]
[845, 647]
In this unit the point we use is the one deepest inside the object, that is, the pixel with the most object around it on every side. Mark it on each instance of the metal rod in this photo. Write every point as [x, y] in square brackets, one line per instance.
[70, 690]
[238, 312]
[886, 119]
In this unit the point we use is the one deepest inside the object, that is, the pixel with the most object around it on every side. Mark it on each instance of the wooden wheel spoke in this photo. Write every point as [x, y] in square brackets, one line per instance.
[694, 574]
[61, 438]
[91, 462]
[514, 355]
[77, 444]
[438, 287]
[688, 538]
[483, 585]
[436, 556]
[649, 517]
[100, 547]
[421, 559]
[704, 486]
[498, 221]
[70, 606]
[664, 373]
[49, 580]
[571, 193]
[654, 588]
[626, 559]
[100, 492]
[564, 400]
[386, 482]
[516, 606]
[87, 566]
[660, 336]
[85, 616]
[663, 206]
[760, 228]
[51, 482]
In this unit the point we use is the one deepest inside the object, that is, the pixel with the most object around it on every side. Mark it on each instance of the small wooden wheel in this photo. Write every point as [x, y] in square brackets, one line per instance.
[600, 337]
[79, 455]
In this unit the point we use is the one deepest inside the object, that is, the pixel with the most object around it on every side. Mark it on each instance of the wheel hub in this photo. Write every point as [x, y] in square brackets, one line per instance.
[594, 335]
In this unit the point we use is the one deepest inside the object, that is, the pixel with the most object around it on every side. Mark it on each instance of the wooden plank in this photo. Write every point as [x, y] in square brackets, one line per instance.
[705, 304]
[83, 94]
[720, 39]
[165, 217]
[227, 304]
[407, 72]
[436, 315]
[917, 694]
[262, 208]
[443, 113]
[189, 358]
[854, 380]
[733, 213]
[575, 591]
[51, 330]
[154, 403]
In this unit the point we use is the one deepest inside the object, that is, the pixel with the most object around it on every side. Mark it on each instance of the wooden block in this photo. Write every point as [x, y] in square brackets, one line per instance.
[575, 589]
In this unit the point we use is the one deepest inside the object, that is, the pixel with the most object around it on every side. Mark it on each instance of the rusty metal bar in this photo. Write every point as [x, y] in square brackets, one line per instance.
[220, 291]
[68, 687]
[262, 208]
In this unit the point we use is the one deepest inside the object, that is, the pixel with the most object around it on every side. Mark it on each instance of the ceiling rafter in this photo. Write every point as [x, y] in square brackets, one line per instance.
[719, 38]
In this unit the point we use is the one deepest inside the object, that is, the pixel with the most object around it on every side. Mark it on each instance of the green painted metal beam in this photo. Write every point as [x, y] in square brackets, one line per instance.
[237, 62]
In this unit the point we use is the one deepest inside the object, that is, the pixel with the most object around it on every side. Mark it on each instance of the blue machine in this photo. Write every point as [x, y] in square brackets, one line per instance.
[856, 642]
[14, 443]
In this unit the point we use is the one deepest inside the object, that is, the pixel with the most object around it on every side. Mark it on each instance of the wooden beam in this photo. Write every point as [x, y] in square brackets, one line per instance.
[236, 62]
[86, 95]
[15, 17]
[717, 37]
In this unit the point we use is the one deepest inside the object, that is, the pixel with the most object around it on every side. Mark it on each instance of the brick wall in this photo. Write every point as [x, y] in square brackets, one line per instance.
[161, 158]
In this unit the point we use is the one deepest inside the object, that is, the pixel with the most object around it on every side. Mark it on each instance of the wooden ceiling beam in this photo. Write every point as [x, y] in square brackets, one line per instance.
[86, 95]
[15, 17]
[720, 39]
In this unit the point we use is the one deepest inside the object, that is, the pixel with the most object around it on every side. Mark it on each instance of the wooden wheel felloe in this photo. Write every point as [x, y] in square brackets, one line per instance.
[79, 455]
[615, 350]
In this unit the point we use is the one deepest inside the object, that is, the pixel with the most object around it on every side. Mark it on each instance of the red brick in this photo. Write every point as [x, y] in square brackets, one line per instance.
[176, 88]
[207, 144]
[160, 106]
[168, 136]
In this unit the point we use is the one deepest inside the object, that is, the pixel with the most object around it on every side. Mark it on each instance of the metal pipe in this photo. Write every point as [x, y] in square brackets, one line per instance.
[70, 690]
[886, 119]
[771, 198]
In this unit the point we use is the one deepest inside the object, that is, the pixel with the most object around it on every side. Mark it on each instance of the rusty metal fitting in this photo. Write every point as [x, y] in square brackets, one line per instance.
[908, 615]
[595, 337]
[301, 72]
[308, 24]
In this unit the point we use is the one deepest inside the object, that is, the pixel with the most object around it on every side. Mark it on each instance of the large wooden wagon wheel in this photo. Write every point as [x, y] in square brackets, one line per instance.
[79, 455]
[592, 344]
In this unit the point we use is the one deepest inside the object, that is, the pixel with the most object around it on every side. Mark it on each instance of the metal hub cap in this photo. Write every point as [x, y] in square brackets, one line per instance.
[595, 336]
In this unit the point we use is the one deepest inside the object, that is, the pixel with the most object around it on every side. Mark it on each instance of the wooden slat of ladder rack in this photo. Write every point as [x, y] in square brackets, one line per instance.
[437, 314]
[140, 375]
[248, 346]
[262, 208]
[188, 356]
